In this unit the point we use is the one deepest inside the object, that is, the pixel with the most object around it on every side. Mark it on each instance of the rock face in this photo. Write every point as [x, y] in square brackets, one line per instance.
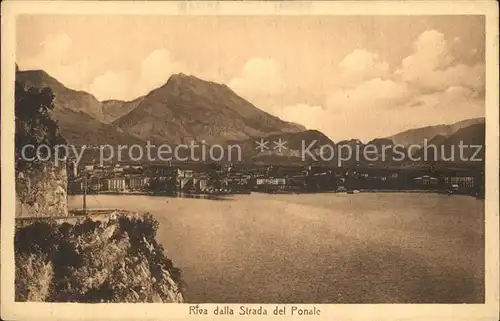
[42, 191]
[115, 260]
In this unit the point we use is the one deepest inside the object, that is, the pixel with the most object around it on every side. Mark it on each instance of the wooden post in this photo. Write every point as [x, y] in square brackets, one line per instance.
[85, 195]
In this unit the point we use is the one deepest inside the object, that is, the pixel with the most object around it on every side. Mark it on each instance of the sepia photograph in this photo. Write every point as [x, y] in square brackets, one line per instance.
[243, 159]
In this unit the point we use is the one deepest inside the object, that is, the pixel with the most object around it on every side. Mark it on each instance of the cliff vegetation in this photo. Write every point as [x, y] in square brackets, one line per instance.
[114, 260]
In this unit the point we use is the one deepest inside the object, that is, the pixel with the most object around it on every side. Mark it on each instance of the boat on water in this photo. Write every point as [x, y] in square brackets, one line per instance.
[354, 191]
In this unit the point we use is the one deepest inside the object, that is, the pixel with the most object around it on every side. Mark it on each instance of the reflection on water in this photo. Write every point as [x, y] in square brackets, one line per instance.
[213, 197]
[323, 248]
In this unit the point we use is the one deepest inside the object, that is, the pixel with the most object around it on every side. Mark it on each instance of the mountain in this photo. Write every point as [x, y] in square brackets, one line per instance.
[418, 135]
[78, 128]
[187, 108]
[77, 113]
[114, 109]
[65, 98]
[448, 148]
[291, 152]
[380, 142]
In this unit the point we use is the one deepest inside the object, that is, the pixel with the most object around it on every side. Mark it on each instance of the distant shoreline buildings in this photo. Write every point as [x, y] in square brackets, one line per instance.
[214, 179]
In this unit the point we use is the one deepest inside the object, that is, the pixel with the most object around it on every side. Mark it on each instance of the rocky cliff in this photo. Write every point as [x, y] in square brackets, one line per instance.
[42, 190]
[113, 260]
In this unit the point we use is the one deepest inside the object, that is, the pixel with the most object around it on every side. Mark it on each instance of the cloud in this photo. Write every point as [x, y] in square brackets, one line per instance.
[431, 66]
[311, 116]
[430, 86]
[364, 82]
[456, 99]
[442, 107]
[361, 65]
[430, 52]
[373, 93]
[259, 76]
[111, 85]
[363, 97]
[55, 47]
[156, 68]
[52, 58]
[152, 72]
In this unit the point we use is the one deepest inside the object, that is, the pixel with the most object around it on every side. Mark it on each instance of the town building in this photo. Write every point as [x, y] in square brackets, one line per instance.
[137, 182]
[185, 173]
[94, 184]
[200, 184]
[426, 180]
[115, 184]
[463, 181]
[271, 181]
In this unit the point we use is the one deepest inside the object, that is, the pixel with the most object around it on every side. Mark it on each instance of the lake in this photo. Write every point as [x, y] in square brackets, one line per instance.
[320, 248]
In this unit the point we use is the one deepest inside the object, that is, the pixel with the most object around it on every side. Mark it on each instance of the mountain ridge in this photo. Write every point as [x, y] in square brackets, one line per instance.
[250, 121]
[186, 108]
[416, 136]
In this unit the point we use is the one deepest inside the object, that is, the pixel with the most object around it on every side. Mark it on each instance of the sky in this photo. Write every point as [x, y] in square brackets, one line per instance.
[347, 76]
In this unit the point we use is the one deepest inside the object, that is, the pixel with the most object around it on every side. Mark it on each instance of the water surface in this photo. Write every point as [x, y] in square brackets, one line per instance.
[321, 248]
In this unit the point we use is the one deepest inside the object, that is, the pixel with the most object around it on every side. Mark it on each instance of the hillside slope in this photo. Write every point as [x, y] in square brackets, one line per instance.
[77, 113]
[417, 136]
[65, 98]
[187, 108]
[448, 148]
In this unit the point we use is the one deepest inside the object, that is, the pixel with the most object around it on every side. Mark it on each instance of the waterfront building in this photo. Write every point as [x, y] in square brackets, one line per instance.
[464, 181]
[95, 184]
[184, 173]
[137, 182]
[115, 184]
[426, 180]
[200, 183]
[271, 181]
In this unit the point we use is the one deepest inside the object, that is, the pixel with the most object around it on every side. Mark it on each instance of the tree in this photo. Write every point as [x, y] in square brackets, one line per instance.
[34, 125]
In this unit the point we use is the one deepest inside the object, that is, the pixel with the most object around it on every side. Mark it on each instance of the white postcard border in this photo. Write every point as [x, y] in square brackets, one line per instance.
[23, 311]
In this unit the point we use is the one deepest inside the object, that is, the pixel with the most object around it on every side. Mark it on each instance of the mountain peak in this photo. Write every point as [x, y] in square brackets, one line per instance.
[181, 75]
[185, 77]
[190, 80]
[38, 78]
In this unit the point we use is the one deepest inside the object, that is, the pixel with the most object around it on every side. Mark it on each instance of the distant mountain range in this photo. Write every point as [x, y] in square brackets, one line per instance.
[79, 114]
[418, 135]
[470, 136]
[187, 108]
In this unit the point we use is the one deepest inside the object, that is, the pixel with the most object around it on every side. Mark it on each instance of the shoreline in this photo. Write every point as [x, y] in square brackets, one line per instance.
[223, 196]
